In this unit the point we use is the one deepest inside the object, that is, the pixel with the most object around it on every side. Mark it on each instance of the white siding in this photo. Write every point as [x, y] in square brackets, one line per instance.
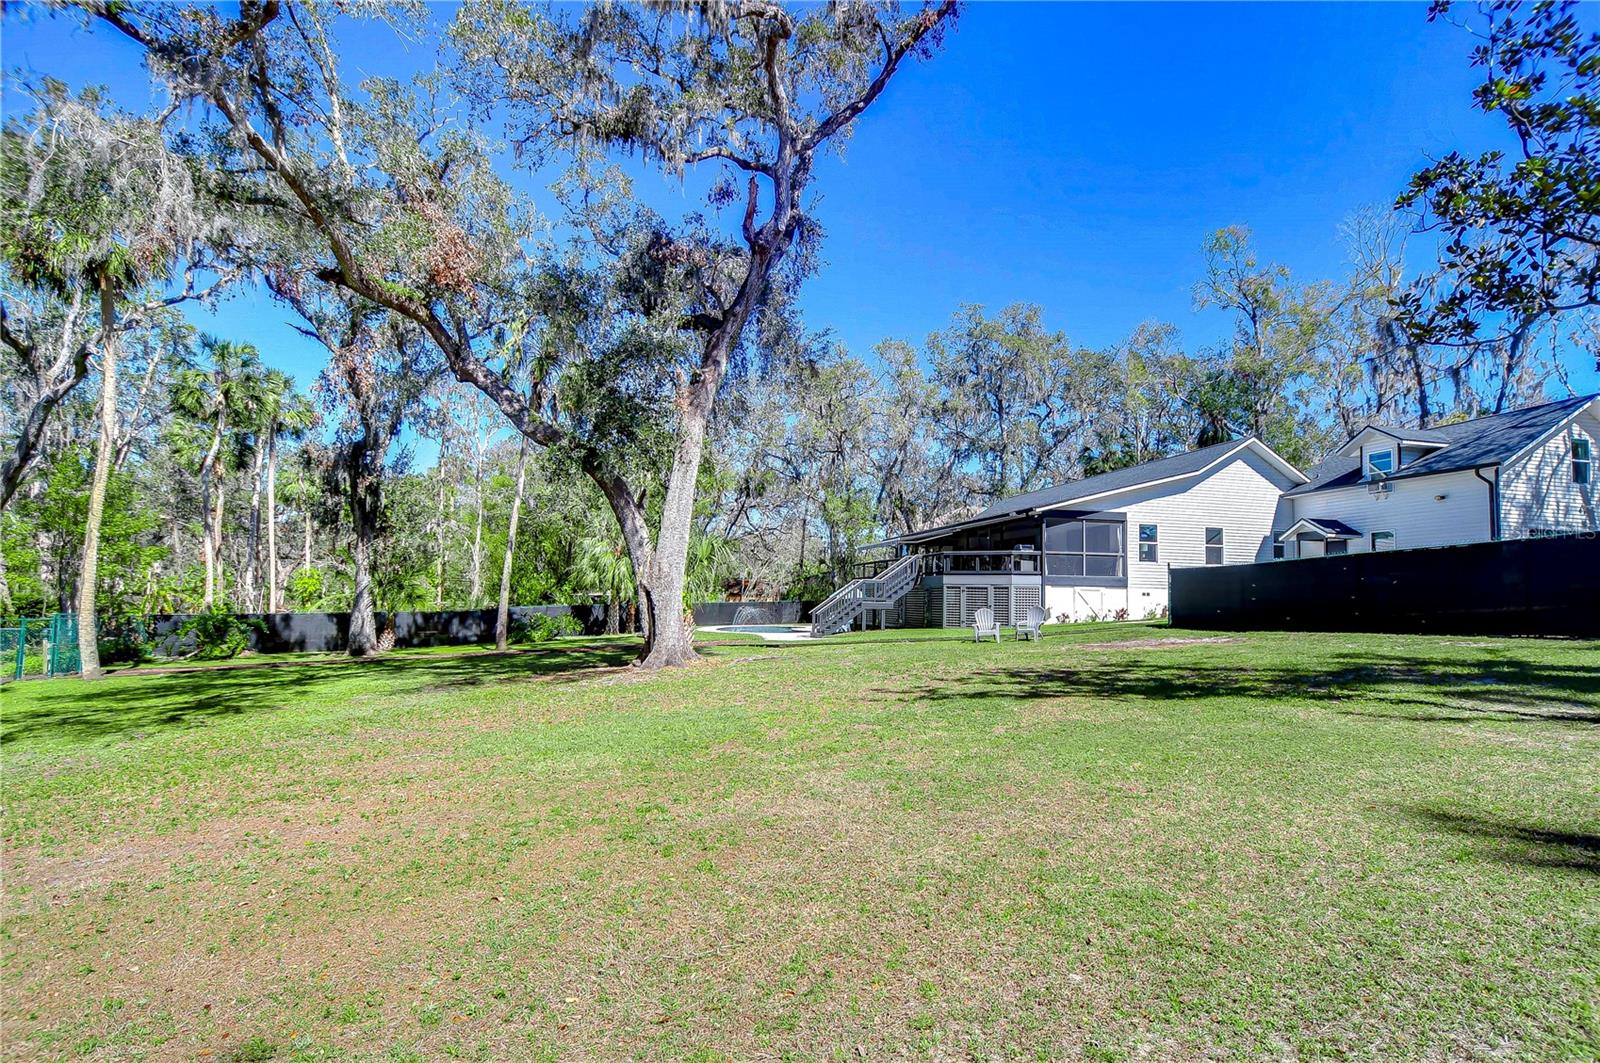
[1537, 491]
[1088, 603]
[1242, 496]
[1381, 445]
[1412, 510]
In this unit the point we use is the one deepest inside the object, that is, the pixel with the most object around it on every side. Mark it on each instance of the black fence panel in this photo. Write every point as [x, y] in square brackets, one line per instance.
[1515, 587]
[716, 614]
[330, 632]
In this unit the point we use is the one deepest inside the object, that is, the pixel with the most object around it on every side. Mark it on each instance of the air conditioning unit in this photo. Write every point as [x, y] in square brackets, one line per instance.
[1380, 488]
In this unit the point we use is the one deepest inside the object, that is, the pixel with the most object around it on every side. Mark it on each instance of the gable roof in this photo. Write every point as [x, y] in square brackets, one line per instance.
[1161, 470]
[1424, 436]
[1116, 480]
[1327, 527]
[1474, 444]
[1174, 467]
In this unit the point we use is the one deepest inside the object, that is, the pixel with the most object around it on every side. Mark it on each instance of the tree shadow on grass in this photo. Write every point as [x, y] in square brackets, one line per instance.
[139, 706]
[1516, 843]
[1380, 686]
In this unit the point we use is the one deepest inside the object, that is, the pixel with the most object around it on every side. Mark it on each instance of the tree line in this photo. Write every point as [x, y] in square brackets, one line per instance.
[627, 406]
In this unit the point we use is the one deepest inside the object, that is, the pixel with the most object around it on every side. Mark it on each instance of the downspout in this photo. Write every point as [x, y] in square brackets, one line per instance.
[1494, 499]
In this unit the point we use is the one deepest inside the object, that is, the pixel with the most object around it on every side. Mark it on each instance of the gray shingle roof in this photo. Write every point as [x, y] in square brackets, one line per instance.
[1491, 440]
[1118, 480]
[1326, 525]
[1421, 435]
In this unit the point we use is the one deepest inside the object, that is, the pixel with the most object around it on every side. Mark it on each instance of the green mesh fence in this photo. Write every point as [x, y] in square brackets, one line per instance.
[64, 658]
[10, 661]
[40, 646]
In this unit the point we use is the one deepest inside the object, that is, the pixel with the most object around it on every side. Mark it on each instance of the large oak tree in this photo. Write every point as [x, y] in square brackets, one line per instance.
[752, 87]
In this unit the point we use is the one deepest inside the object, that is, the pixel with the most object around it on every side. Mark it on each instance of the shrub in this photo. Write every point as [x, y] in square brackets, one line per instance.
[218, 633]
[541, 627]
[1120, 614]
[123, 640]
[307, 589]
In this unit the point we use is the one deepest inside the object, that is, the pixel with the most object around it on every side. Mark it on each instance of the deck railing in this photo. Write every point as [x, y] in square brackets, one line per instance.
[959, 562]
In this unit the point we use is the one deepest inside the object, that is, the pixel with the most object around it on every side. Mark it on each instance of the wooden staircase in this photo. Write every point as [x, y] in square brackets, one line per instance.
[883, 591]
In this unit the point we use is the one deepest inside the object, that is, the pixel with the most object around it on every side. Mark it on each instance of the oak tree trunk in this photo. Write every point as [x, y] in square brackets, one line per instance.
[363, 621]
[669, 639]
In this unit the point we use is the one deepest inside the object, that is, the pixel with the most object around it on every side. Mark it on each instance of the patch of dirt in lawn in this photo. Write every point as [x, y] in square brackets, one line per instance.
[1152, 644]
[262, 909]
[150, 858]
[397, 792]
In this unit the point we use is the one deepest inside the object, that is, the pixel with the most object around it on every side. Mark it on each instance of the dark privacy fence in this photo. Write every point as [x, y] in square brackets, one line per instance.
[715, 614]
[1516, 587]
[330, 632]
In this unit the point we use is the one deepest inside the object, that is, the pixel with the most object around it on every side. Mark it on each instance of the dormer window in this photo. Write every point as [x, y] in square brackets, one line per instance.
[1380, 463]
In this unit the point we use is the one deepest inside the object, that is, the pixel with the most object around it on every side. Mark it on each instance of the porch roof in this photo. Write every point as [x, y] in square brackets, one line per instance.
[1326, 527]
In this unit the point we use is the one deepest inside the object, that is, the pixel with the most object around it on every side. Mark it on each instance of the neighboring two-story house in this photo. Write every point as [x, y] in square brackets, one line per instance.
[1511, 475]
[1102, 546]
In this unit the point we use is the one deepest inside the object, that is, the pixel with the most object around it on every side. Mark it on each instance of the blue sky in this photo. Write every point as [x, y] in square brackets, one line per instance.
[1070, 155]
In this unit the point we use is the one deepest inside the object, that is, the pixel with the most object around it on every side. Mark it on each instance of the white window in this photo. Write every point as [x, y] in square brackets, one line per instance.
[1149, 538]
[1213, 546]
[1382, 541]
[1380, 463]
[1582, 460]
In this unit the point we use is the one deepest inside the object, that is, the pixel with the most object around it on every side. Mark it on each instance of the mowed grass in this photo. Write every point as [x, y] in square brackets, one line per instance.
[1107, 845]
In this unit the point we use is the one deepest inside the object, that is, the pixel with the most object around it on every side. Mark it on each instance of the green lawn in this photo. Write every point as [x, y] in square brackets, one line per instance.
[1103, 846]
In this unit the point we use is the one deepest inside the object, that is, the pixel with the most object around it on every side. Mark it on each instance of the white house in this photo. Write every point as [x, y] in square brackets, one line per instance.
[1102, 546]
[1527, 472]
[1097, 547]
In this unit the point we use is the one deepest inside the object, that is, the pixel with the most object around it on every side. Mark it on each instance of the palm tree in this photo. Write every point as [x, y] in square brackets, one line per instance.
[75, 237]
[217, 396]
[307, 476]
[711, 559]
[296, 418]
[282, 414]
[603, 565]
[96, 207]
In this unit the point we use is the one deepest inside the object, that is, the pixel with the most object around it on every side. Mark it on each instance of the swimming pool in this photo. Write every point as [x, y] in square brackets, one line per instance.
[770, 632]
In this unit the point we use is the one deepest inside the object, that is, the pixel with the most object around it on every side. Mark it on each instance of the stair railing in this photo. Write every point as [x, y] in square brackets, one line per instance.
[836, 612]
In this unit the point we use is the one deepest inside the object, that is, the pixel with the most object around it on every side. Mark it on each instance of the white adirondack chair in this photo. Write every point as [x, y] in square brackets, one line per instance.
[984, 625]
[1032, 619]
